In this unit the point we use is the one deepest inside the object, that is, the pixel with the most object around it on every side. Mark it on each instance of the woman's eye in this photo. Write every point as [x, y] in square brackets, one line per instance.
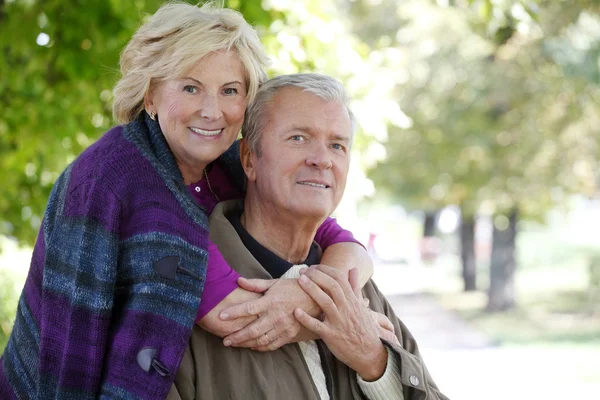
[190, 89]
[230, 91]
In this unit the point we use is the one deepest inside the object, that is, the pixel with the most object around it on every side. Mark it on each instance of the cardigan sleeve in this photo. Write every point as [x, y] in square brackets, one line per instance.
[61, 333]
[221, 280]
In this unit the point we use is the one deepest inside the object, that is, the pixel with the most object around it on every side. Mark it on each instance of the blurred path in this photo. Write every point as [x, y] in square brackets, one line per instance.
[433, 326]
[465, 364]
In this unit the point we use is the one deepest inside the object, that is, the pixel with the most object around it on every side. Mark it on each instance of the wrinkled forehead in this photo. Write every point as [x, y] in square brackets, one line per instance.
[293, 107]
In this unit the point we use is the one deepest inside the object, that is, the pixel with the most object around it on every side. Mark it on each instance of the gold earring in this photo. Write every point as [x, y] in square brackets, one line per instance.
[152, 115]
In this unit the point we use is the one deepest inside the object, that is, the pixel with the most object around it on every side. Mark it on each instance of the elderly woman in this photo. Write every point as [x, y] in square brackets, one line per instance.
[119, 271]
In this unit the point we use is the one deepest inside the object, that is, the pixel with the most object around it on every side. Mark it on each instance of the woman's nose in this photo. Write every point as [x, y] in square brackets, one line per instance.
[209, 108]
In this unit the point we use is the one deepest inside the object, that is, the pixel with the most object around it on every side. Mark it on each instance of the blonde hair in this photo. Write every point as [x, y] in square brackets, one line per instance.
[175, 38]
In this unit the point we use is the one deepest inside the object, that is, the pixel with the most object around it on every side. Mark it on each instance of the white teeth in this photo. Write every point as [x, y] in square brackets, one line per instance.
[206, 133]
[319, 185]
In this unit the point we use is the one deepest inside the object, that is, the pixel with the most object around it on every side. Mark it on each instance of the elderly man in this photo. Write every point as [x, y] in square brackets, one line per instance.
[296, 155]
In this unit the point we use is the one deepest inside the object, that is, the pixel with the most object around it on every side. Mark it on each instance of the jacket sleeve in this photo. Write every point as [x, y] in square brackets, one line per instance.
[416, 380]
[330, 233]
[79, 270]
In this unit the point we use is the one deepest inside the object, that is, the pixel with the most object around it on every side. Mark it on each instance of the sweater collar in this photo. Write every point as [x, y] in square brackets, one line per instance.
[149, 138]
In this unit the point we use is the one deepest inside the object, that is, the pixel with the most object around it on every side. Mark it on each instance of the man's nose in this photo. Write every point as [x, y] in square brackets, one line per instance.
[209, 107]
[319, 156]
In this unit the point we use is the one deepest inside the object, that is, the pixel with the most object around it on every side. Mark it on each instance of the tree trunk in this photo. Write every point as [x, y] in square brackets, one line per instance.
[502, 268]
[467, 252]
[429, 224]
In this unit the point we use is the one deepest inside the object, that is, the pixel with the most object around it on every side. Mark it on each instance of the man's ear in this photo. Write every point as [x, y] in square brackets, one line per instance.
[246, 157]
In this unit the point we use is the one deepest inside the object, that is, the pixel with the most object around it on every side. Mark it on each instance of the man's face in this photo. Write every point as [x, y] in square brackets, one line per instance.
[304, 155]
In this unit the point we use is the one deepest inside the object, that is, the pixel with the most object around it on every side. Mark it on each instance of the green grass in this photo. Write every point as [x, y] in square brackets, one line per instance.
[556, 317]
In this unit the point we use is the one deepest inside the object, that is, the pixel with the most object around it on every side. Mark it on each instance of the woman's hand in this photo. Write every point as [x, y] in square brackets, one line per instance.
[215, 325]
[276, 324]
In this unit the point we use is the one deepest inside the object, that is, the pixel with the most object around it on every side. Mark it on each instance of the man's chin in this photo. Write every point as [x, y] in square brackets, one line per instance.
[317, 212]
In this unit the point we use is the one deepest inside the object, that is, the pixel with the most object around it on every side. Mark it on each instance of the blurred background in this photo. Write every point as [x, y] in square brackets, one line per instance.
[475, 182]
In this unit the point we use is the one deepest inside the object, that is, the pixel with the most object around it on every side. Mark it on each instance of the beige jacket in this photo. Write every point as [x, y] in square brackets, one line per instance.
[211, 371]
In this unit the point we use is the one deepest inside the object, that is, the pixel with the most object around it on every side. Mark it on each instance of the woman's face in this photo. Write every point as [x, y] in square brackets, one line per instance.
[202, 113]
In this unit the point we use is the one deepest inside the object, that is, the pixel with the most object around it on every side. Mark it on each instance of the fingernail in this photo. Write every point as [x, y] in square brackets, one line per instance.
[303, 279]
[224, 315]
[227, 343]
[303, 270]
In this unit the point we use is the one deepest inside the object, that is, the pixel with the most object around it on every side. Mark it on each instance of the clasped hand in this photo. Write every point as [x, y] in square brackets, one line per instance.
[273, 320]
[276, 324]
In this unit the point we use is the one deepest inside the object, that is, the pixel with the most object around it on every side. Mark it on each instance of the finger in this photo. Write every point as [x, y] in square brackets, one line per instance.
[340, 276]
[384, 322]
[255, 285]
[389, 336]
[366, 302]
[323, 300]
[251, 332]
[274, 345]
[266, 339]
[353, 279]
[329, 285]
[261, 342]
[246, 309]
[312, 324]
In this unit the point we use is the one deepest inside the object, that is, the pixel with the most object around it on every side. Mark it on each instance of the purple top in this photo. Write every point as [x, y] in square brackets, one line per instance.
[221, 279]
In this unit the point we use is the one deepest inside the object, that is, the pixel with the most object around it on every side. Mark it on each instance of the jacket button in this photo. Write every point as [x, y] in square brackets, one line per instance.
[145, 359]
[414, 380]
[167, 267]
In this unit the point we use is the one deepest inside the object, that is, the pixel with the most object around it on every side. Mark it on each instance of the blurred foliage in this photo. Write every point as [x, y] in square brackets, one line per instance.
[481, 103]
[59, 62]
[500, 101]
[9, 297]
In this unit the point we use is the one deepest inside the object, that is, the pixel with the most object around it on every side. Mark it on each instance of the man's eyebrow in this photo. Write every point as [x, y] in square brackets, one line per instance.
[302, 128]
[345, 139]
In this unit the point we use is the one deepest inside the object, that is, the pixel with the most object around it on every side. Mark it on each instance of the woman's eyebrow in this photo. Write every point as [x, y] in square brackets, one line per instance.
[200, 83]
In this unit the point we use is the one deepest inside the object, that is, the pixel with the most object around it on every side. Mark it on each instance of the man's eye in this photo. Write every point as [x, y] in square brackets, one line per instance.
[297, 138]
[190, 89]
[337, 146]
[230, 91]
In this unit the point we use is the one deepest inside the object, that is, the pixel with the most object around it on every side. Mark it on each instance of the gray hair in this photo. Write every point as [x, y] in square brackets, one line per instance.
[323, 86]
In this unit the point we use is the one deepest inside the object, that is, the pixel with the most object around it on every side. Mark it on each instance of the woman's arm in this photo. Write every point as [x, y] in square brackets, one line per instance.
[348, 255]
[63, 321]
[276, 325]
[342, 250]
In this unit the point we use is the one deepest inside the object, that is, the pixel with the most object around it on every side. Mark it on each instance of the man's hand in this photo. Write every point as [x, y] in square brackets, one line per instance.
[386, 328]
[350, 330]
[276, 324]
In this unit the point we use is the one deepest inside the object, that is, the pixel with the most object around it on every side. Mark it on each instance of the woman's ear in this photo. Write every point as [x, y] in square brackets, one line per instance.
[247, 158]
[149, 101]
